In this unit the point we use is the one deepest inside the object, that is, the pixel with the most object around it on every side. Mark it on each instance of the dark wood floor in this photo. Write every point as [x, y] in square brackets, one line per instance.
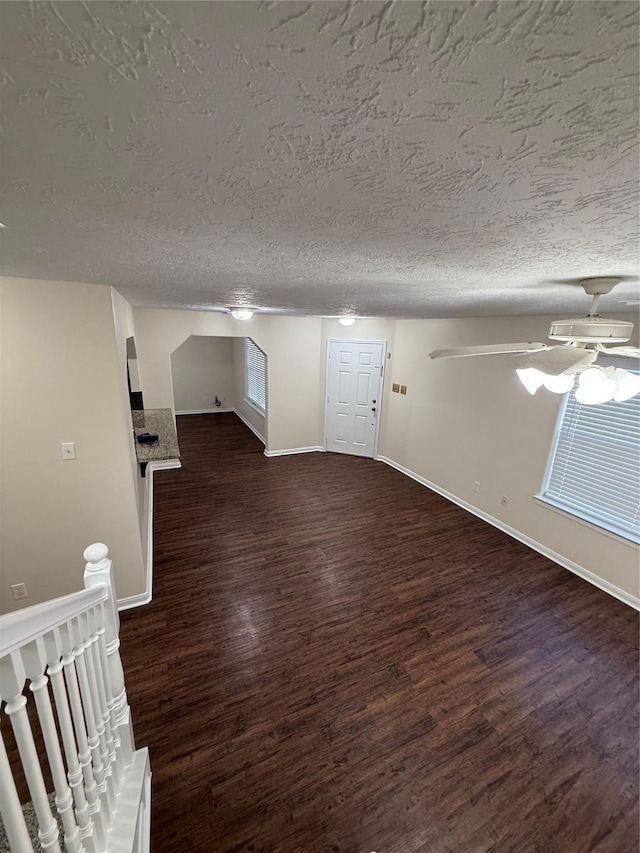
[337, 659]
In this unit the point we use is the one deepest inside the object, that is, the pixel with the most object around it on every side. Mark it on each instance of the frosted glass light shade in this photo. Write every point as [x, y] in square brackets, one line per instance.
[531, 378]
[628, 385]
[594, 387]
[559, 384]
[346, 321]
[590, 374]
[241, 313]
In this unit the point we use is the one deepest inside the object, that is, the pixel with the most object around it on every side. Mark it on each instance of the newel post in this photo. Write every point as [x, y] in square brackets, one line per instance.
[99, 572]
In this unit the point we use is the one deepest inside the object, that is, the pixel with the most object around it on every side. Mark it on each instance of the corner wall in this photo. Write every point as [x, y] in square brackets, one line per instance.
[202, 368]
[466, 420]
[61, 382]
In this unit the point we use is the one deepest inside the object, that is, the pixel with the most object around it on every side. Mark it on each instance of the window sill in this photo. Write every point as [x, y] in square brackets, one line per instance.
[629, 541]
[255, 407]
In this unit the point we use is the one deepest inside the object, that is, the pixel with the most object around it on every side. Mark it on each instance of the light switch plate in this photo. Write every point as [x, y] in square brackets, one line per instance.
[68, 449]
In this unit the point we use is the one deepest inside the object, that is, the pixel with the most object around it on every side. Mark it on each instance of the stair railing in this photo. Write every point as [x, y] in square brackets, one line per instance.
[67, 652]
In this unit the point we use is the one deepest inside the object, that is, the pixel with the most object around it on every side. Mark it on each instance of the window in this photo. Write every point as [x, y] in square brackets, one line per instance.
[594, 469]
[255, 373]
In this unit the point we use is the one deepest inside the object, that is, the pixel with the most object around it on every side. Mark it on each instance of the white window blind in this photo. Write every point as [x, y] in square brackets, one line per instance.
[595, 464]
[255, 367]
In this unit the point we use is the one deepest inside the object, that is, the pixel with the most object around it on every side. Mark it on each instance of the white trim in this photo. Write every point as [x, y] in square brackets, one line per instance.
[145, 597]
[585, 574]
[255, 407]
[204, 411]
[247, 399]
[235, 411]
[251, 426]
[381, 379]
[593, 524]
[627, 537]
[291, 450]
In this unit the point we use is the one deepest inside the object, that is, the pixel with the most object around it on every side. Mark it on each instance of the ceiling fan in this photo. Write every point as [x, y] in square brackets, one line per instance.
[555, 366]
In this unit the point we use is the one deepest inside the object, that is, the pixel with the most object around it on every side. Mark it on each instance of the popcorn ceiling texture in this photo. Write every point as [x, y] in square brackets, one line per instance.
[393, 159]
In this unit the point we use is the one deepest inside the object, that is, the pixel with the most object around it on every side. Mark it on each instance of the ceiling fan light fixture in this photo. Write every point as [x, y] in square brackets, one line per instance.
[559, 384]
[346, 321]
[591, 374]
[595, 387]
[628, 385]
[531, 378]
[241, 313]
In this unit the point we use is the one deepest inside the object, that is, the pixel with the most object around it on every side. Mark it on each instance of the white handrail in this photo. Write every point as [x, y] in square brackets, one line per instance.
[21, 627]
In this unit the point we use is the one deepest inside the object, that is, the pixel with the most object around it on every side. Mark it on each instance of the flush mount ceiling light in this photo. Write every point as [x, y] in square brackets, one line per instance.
[346, 321]
[241, 313]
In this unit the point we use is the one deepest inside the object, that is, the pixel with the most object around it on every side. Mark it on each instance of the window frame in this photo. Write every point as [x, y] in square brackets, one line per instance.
[250, 401]
[586, 518]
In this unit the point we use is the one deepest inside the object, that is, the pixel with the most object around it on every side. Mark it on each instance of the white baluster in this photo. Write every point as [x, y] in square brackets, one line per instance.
[10, 809]
[95, 617]
[92, 712]
[84, 752]
[35, 660]
[74, 770]
[12, 680]
[116, 755]
[99, 571]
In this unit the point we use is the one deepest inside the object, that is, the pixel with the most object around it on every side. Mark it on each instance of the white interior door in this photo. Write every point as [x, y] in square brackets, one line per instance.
[354, 386]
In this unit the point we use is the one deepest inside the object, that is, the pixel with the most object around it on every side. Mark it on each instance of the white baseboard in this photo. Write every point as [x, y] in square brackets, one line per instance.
[585, 574]
[250, 425]
[205, 411]
[146, 596]
[290, 450]
[223, 409]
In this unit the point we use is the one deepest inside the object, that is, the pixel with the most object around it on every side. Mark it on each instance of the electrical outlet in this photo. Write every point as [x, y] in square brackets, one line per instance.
[504, 500]
[476, 486]
[19, 591]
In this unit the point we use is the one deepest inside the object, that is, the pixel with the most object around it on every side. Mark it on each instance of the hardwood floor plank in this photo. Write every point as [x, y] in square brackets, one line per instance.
[337, 659]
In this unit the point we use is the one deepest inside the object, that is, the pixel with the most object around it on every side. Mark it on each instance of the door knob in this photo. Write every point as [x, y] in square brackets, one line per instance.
[373, 408]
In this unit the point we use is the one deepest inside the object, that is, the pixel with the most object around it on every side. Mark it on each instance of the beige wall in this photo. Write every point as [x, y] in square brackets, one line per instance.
[202, 367]
[64, 379]
[61, 381]
[292, 345]
[471, 419]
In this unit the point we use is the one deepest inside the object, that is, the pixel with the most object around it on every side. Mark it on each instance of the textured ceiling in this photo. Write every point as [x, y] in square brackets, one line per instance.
[392, 159]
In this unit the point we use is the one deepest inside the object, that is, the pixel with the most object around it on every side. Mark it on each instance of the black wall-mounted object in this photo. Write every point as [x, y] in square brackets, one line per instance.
[135, 401]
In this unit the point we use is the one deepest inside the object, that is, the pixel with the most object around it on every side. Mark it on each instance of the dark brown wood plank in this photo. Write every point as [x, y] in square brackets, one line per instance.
[337, 659]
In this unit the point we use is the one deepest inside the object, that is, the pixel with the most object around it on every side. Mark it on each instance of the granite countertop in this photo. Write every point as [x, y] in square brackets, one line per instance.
[160, 421]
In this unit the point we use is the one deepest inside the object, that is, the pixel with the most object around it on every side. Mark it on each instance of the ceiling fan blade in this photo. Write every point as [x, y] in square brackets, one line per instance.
[560, 359]
[627, 352]
[490, 349]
